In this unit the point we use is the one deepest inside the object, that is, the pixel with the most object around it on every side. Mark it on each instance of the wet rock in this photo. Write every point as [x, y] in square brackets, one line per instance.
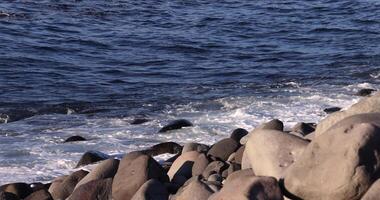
[65, 186]
[105, 169]
[21, 190]
[366, 105]
[8, 196]
[223, 149]
[238, 133]
[304, 128]
[200, 164]
[342, 163]
[91, 157]
[134, 170]
[139, 121]
[162, 148]
[373, 193]
[331, 110]
[365, 92]
[183, 165]
[39, 195]
[96, 189]
[244, 185]
[215, 167]
[194, 189]
[152, 190]
[192, 146]
[271, 152]
[75, 138]
[177, 124]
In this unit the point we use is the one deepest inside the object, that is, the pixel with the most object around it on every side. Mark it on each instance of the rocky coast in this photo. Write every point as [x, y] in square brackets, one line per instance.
[337, 158]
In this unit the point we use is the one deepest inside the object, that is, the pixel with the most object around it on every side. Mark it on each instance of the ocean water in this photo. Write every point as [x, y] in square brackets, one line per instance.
[89, 67]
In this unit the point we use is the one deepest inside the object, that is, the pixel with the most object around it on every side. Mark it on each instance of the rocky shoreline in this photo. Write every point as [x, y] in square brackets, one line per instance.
[338, 158]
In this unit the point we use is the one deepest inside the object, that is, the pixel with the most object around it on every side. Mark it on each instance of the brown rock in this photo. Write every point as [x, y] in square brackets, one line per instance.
[183, 165]
[200, 164]
[66, 186]
[223, 149]
[95, 189]
[238, 133]
[273, 124]
[21, 190]
[194, 189]
[304, 128]
[8, 196]
[152, 190]
[215, 167]
[239, 155]
[40, 195]
[192, 146]
[373, 193]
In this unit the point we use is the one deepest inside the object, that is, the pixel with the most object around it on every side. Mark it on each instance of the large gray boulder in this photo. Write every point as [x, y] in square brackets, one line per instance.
[134, 170]
[365, 105]
[341, 163]
[244, 185]
[271, 152]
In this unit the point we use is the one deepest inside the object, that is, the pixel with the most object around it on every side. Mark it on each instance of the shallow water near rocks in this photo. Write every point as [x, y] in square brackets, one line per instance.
[91, 67]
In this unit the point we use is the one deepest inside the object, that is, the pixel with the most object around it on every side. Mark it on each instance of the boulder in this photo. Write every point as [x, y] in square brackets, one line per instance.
[194, 189]
[215, 167]
[183, 165]
[223, 149]
[65, 186]
[244, 185]
[200, 164]
[21, 190]
[137, 121]
[238, 133]
[152, 190]
[8, 196]
[373, 193]
[95, 189]
[91, 157]
[192, 146]
[304, 128]
[366, 105]
[162, 148]
[271, 152]
[365, 92]
[239, 155]
[245, 162]
[75, 138]
[134, 170]
[176, 124]
[105, 169]
[273, 124]
[341, 163]
[39, 195]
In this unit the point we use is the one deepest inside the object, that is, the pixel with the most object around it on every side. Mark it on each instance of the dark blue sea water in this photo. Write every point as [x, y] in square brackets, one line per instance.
[222, 64]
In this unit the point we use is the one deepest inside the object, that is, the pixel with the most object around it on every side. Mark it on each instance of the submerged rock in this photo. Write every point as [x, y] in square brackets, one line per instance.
[365, 92]
[139, 121]
[176, 124]
[91, 157]
[331, 110]
[75, 138]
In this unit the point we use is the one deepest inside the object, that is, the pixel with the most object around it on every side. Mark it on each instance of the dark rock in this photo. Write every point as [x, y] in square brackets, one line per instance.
[91, 157]
[40, 195]
[332, 109]
[239, 155]
[134, 170]
[216, 167]
[238, 133]
[75, 139]
[365, 92]
[183, 165]
[162, 148]
[223, 149]
[192, 146]
[304, 128]
[273, 124]
[152, 190]
[139, 121]
[21, 190]
[67, 185]
[97, 189]
[200, 164]
[193, 189]
[177, 124]
[8, 196]
[39, 186]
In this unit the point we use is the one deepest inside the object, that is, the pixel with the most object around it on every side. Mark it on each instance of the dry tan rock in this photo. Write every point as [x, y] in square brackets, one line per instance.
[183, 165]
[373, 193]
[194, 189]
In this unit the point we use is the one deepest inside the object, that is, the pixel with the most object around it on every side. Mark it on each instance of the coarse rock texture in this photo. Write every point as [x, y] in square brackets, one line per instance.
[373, 193]
[134, 170]
[183, 165]
[365, 105]
[223, 149]
[176, 124]
[271, 152]
[105, 169]
[96, 189]
[193, 189]
[244, 185]
[64, 187]
[152, 190]
[342, 163]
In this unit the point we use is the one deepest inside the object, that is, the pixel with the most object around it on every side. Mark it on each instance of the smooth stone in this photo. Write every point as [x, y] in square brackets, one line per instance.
[239, 155]
[304, 128]
[245, 162]
[152, 190]
[162, 148]
[365, 105]
[8, 196]
[66, 185]
[223, 149]
[134, 170]
[332, 110]
[183, 165]
[105, 169]
[238, 133]
[233, 167]
[342, 163]
[21, 190]
[194, 189]
[176, 124]
[365, 92]
[75, 138]
[215, 167]
[244, 185]
[192, 146]
[95, 189]
[200, 164]
[215, 178]
[39, 195]
[373, 193]
[274, 124]
[271, 152]
[91, 157]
